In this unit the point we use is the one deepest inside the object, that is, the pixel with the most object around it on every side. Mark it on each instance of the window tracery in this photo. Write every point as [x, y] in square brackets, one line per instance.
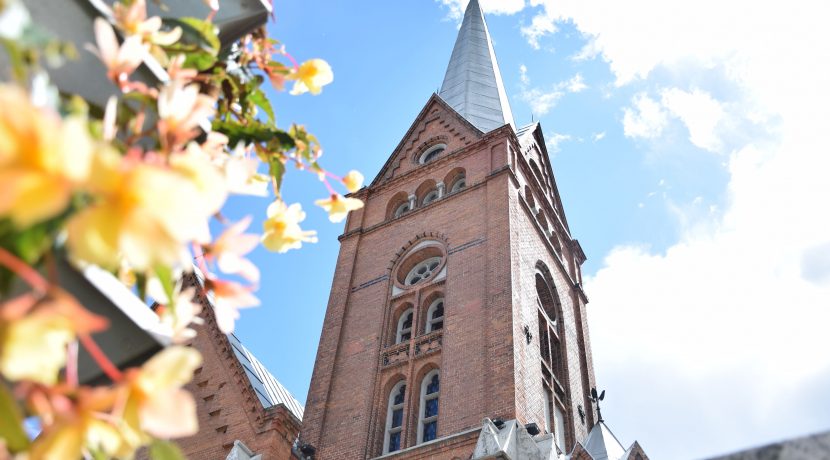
[394, 418]
[428, 415]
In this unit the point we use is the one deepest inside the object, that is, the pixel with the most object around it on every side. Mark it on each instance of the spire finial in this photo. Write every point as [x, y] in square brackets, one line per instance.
[596, 399]
[473, 85]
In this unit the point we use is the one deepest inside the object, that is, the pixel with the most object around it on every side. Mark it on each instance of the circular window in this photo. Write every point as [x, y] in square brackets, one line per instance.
[460, 183]
[430, 197]
[422, 271]
[432, 153]
[402, 209]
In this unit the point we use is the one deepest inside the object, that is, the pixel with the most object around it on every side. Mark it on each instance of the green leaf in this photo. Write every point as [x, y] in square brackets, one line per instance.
[254, 132]
[165, 450]
[258, 97]
[199, 60]
[195, 32]
[11, 422]
[276, 169]
[165, 275]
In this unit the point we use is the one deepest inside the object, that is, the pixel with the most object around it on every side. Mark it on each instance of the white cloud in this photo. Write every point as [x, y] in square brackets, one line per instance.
[542, 101]
[598, 136]
[456, 7]
[726, 328]
[646, 119]
[575, 84]
[555, 139]
[699, 112]
[540, 26]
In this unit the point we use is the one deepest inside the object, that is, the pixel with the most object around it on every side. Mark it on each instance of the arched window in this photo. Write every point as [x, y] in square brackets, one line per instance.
[422, 271]
[459, 183]
[431, 196]
[428, 416]
[432, 153]
[402, 209]
[546, 400]
[404, 331]
[394, 419]
[435, 315]
[545, 298]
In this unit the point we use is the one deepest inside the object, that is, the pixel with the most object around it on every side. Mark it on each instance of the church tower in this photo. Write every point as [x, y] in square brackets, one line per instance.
[457, 295]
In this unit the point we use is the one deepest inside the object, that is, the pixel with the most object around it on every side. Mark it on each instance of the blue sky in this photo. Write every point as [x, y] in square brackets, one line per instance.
[688, 147]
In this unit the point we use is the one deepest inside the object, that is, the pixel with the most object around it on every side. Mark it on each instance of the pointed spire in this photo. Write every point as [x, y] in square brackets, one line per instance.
[472, 85]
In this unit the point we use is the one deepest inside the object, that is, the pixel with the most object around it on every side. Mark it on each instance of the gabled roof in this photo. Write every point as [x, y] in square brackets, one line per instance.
[602, 444]
[473, 85]
[267, 388]
[434, 99]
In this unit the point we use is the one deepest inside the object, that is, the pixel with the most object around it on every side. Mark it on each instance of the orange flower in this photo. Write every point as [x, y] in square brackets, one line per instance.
[353, 181]
[146, 213]
[43, 160]
[120, 60]
[82, 426]
[230, 247]
[34, 333]
[228, 298]
[155, 403]
[181, 109]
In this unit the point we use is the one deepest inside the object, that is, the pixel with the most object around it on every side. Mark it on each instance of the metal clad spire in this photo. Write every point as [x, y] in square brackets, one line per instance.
[473, 85]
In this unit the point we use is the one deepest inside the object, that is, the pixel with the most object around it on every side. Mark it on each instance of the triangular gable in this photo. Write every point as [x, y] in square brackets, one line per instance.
[436, 123]
[535, 133]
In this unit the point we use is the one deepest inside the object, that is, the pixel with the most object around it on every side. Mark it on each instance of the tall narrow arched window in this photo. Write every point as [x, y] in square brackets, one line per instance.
[435, 315]
[428, 415]
[394, 419]
[547, 401]
[404, 331]
[458, 183]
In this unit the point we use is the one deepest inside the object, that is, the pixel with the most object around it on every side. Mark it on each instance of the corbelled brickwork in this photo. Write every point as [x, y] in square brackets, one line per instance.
[490, 241]
[227, 406]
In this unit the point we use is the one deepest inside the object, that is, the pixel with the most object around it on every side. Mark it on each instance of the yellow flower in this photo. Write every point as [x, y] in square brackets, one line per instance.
[353, 181]
[146, 213]
[156, 403]
[311, 76]
[84, 426]
[282, 228]
[132, 19]
[34, 334]
[42, 159]
[338, 207]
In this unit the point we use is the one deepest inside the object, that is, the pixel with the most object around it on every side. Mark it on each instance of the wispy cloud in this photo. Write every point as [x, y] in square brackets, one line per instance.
[541, 100]
[596, 137]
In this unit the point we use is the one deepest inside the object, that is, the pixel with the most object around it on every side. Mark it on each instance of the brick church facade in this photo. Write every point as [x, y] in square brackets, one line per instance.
[457, 319]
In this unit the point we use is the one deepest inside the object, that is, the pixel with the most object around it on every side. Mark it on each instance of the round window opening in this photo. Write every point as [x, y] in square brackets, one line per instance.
[430, 197]
[459, 183]
[432, 153]
[422, 271]
[402, 209]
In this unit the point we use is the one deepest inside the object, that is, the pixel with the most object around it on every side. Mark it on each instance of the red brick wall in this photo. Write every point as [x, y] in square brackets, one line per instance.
[228, 409]
[492, 244]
